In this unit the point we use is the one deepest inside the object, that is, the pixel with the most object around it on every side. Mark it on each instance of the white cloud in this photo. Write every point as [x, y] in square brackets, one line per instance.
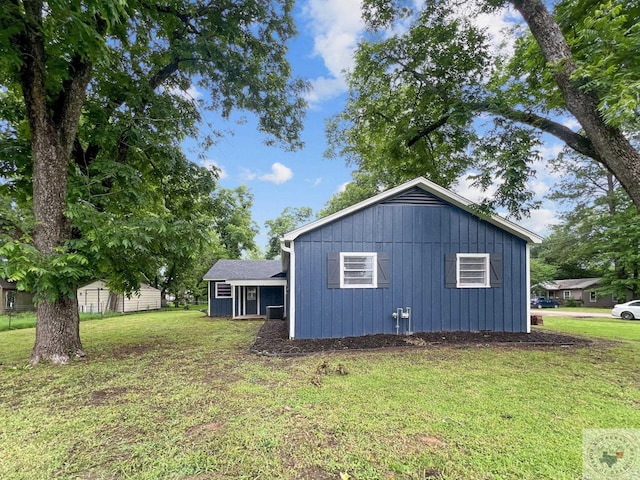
[549, 151]
[465, 189]
[498, 25]
[279, 174]
[247, 175]
[571, 123]
[213, 165]
[539, 221]
[342, 187]
[323, 88]
[315, 182]
[336, 26]
[192, 93]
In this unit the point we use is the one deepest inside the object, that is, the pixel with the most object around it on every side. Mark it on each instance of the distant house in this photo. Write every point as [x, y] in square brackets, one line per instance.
[415, 258]
[581, 291]
[95, 297]
[13, 299]
[245, 288]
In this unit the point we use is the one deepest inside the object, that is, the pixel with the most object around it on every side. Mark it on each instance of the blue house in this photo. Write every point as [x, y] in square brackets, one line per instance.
[245, 288]
[414, 258]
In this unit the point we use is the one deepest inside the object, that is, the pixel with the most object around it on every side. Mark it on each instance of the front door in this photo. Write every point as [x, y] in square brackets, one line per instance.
[251, 301]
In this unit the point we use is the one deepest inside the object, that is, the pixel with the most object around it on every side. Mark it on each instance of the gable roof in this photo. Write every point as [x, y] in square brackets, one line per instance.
[432, 188]
[570, 283]
[244, 270]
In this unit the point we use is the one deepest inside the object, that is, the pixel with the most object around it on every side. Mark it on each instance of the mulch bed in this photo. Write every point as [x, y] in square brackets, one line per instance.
[272, 339]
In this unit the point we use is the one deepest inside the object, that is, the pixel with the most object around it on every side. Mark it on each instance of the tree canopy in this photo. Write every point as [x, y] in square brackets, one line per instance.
[290, 219]
[95, 102]
[599, 233]
[430, 94]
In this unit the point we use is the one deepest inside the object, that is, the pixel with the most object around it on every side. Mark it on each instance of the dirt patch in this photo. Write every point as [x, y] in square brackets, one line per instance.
[107, 395]
[204, 428]
[430, 441]
[272, 340]
[134, 349]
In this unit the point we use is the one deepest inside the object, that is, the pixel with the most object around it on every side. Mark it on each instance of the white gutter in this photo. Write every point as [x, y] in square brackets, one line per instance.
[527, 263]
[292, 285]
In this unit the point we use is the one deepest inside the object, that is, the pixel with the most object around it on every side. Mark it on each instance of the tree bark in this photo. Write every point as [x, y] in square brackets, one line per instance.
[53, 130]
[57, 332]
[614, 149]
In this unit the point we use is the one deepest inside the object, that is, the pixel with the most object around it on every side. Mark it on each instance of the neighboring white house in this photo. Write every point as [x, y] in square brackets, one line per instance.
[96, 297]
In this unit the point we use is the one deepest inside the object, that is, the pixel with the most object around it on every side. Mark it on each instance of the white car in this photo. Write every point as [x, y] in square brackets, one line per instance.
[628, 311]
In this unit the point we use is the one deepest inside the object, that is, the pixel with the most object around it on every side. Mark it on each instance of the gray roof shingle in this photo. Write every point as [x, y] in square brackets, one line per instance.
[570, 283]
[244, 270]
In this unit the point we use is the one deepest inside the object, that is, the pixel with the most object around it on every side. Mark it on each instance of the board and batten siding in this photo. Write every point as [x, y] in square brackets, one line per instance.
[417, 237]
[218, 307]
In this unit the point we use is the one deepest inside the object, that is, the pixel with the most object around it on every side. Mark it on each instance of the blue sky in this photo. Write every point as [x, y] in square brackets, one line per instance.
[328, 33]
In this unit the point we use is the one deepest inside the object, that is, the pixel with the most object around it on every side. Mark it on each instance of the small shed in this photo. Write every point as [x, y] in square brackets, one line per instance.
[13, 299]
[246, 288]
[96, 297]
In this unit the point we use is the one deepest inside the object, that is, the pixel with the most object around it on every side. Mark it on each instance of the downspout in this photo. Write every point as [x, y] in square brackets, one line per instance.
[528, 285]
[292, 285]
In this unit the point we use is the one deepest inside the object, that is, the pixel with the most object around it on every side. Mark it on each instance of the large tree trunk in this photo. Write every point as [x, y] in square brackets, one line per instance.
[53, 126]
[614, 149]
[58, 321]
[57, 332]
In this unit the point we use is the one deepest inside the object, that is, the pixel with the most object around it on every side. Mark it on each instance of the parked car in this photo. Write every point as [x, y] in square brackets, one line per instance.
[541, 302]
[627, 311]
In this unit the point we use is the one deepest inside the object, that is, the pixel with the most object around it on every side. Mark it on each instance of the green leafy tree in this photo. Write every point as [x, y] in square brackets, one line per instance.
[364, 185]
[93, 113]
[599, 231]
[541, 272]
[417, 98]
[290, 219]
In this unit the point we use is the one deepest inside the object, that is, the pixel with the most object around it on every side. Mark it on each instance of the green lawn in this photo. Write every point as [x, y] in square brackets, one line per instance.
[596, 327]
[28, 319]
[175, 395]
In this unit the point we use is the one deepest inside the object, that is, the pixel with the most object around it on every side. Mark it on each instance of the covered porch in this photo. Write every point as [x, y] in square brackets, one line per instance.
[251, 299]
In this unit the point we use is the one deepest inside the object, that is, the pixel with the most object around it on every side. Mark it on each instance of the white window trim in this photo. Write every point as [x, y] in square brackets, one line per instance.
[373, 255]
[566, 294]
[224, 296]
[593, 297]
[487, 264]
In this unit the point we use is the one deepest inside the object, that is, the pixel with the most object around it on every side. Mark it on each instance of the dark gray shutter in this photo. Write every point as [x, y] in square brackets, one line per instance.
[333, 270]
[450, 278]
[384, 272]
[496, 269]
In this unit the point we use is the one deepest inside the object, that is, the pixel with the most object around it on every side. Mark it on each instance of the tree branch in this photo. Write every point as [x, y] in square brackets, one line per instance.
[577, 142]
[430, 128]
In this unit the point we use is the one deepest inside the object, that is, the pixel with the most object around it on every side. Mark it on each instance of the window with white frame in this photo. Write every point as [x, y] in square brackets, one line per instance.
[472, 270]
[223, 290]
[567, 294]
[358, 270]
[592, 297]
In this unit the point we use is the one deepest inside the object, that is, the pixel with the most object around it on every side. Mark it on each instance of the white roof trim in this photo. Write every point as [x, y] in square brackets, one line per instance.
[258, 283]
[430, 187]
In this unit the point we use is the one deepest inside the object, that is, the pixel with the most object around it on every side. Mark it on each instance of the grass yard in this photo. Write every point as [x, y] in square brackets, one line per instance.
[174, 395]
[611, 328]
[28, 319]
